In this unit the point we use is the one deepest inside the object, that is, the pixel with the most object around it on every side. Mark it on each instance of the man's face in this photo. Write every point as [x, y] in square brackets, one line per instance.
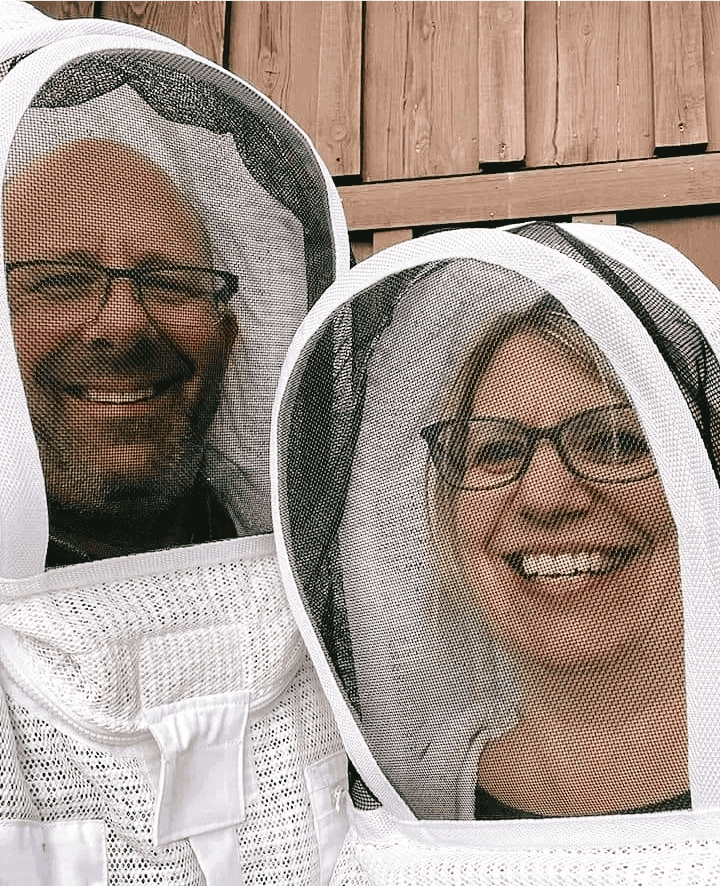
[120, 402]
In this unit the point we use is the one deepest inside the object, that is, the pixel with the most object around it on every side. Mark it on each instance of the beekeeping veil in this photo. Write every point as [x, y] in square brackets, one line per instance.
[496, 496]
[165, 229]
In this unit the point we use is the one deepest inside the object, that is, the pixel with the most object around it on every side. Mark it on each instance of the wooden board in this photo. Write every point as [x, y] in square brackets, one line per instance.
[587, 90]
[678, 74]
[501, 69]
[711, 59]
[199, 25]
[306, 57]
[420, 89]
[635, 133]
[541, 63]
[337, 115]
[588, 82]
[534, 193]
[58, 9]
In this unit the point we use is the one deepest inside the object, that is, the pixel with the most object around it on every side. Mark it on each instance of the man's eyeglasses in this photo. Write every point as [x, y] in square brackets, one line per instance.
[603, 445]
[77, 291]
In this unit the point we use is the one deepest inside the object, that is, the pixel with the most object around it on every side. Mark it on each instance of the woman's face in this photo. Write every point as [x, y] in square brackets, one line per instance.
[565, 570]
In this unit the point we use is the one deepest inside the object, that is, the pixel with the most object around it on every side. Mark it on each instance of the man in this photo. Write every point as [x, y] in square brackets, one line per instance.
[160, 720]
[114, 266]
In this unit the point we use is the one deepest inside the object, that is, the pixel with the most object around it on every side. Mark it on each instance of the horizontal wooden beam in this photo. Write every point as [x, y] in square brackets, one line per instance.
[534, 193]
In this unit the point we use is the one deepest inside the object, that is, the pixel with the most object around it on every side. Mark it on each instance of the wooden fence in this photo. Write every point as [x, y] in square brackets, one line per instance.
[444, 113]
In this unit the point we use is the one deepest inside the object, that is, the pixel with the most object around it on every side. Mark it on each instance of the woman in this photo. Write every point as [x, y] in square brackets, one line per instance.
[502, 632]
[551, 523]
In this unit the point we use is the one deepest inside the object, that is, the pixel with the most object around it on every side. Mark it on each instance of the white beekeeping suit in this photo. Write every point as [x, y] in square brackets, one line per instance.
[164, 230]
[495, 490]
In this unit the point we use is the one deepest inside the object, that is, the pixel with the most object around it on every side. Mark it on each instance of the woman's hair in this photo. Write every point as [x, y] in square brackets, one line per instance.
[548, 321]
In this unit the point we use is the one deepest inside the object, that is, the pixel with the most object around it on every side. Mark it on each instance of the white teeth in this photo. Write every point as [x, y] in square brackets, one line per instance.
[118, 397]
[545, 565]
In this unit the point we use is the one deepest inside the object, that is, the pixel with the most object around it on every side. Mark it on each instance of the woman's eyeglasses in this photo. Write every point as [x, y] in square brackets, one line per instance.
[603, 445]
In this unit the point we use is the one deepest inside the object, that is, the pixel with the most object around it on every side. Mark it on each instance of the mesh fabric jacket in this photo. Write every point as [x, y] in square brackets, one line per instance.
[160, 721]
[496, 497]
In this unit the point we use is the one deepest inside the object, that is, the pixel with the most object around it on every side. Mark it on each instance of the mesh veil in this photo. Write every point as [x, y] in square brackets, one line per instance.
[452, 587]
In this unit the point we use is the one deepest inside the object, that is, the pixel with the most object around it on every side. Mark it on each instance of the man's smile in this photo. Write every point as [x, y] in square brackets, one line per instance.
[121, 391]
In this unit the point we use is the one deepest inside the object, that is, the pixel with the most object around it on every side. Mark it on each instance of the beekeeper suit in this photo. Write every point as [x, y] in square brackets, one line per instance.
[164, 229]
[500, 540]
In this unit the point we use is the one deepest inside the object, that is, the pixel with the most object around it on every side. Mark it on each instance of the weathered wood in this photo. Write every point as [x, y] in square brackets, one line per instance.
[276, 47]
[337, 116]
[711, 58]
[385, 239]
[634, 79]
[596, 218]
[420, 103]
[540, 83]
[535, 193]
[198, 25]
[58, 9]
[587, 86]
[501, 68]
[678, 75]
[696, 237]
[306, 57]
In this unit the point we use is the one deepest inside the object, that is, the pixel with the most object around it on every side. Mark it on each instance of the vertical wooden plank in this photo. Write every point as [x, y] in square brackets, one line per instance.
[57, 9]
[634, 78]
[541, 74]
[678, 74]
[711, 58]
[420, 101]
[337, 119]
[385, 239]
[695, 236]
[587, 82]
[361, 245]
[275, 46]
[501, 64]
[170, 19]
[198, 25]
[206, 29]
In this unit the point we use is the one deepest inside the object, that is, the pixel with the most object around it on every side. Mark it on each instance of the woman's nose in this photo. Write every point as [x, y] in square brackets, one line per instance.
[122, 315]
[548, 492]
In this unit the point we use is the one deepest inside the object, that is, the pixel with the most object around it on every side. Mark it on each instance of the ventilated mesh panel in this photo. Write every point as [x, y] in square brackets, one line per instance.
[482, 542]
[218, 214]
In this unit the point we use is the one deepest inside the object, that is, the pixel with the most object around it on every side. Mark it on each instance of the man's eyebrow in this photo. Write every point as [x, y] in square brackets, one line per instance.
[81, 256]
[153, 258]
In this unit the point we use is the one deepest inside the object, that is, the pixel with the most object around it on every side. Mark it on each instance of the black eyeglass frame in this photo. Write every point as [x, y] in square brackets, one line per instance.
[431, 435]
[228, 290]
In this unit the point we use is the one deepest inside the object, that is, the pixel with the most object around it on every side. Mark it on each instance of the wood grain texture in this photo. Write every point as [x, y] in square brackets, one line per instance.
[337, 116]
[541, 72]
[635, 133]
[420, 89]
[306, 57]
[501, 70]
[198, 25]
[534, 193]
[711, 59]
[587, 84]
[678, 75]
[58, 9]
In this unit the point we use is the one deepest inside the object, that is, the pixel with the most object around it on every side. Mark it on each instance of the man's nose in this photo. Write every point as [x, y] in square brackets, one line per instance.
[121, 316]
[548, 492]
